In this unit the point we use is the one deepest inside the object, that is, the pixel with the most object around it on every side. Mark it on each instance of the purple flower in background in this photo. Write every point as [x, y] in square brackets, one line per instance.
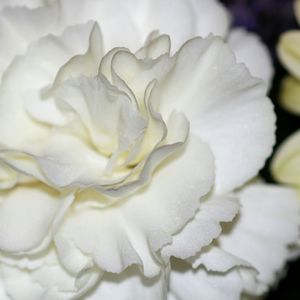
[268, 18]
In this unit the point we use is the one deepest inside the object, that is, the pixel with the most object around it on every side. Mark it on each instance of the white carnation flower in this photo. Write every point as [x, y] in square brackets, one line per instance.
[117, 156]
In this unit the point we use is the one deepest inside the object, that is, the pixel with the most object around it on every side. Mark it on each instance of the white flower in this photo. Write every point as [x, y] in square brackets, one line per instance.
[115, 159]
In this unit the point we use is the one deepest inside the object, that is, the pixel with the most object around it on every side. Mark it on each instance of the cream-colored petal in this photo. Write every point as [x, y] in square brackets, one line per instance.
[297, 10]
[286, 161]
[8, 176]
[290, 95]
[289, 51]
[132, 231]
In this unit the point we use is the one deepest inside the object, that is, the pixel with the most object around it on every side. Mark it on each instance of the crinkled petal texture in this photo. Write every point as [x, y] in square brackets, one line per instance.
[286, 161]
[248, 257]
[250, 50]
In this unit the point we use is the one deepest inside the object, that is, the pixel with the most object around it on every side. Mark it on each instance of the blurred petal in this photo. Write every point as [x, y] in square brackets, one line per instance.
[286, 161]
[289, 51]
[290, 95]
[27, 3]
[297, 10]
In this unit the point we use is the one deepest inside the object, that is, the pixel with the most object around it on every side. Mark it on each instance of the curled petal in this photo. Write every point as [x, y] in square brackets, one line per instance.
[132, 231]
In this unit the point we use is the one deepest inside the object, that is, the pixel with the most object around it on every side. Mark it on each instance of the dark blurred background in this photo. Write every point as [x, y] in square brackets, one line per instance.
[269, 18]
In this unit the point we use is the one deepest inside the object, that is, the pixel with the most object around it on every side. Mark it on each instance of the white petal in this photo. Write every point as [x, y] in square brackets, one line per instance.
[286, 162]
[268, 224]
[108, 14]
[134, 229]
[189, 284]
[226, 107]
[216, 259]
[48, 281]
[211, 17]
[27, 216]
[203, 228]
[183, 20]
[34, 71]
[18, 28]
[130, 284]
[250, 50]
[28, 3]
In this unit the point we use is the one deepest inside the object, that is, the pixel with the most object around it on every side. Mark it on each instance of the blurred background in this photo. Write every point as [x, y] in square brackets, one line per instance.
[269, 18]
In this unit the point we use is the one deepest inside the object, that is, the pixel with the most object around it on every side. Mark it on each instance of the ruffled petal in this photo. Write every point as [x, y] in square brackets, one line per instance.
[189, 284]
[286, 161]
[249, 49]
[34, 73]
[226, 107]
[268, 224]
[132, 231]
[203, 228]
[48, 281]
[130, 284]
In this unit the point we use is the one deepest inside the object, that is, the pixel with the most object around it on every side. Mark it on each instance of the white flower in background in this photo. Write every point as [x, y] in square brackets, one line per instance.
[117, 156]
